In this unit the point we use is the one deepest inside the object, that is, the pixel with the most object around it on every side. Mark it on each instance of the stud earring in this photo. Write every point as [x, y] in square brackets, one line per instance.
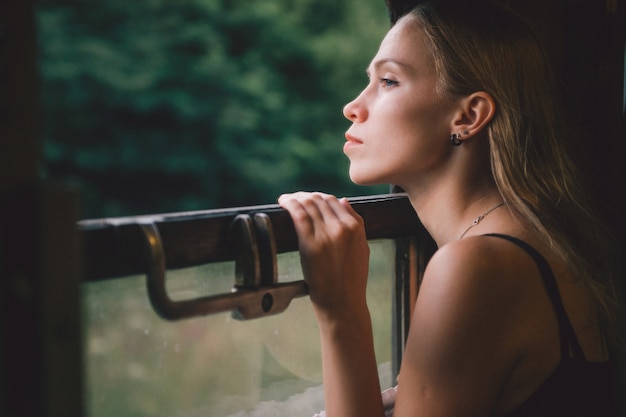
[455, 139]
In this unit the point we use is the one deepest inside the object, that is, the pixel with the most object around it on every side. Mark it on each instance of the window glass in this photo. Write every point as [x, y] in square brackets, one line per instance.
[138, 364]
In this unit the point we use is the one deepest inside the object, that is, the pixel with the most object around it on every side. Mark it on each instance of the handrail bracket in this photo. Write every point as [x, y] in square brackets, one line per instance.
[256, 292]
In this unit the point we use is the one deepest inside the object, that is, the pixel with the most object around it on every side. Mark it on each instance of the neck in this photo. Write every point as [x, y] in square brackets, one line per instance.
[448, 197]
[480, 218]
[449, 213]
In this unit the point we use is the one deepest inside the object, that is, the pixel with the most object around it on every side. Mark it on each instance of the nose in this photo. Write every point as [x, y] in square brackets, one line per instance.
[355, 111]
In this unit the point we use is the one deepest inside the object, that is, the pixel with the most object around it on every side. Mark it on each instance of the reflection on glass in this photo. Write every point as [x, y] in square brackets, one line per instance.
[140, 365]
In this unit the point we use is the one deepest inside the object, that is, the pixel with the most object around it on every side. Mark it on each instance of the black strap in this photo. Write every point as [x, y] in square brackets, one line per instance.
[567, 336]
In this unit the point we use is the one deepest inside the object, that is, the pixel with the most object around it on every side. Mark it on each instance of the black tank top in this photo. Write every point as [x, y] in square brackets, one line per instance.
[576, 387]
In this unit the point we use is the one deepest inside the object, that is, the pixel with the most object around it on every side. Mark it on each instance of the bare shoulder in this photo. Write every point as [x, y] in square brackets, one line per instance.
[474, 298]
[485, 281]
[477, 283]
[482, 262]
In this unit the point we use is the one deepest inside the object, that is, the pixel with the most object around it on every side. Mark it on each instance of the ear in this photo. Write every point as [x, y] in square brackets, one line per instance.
[474, 114]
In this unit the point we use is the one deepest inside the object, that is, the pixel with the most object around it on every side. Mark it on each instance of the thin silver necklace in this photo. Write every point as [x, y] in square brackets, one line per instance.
[479, 219]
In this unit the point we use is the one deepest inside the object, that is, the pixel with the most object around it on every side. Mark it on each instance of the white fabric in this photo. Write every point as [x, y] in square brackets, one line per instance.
[389, 401]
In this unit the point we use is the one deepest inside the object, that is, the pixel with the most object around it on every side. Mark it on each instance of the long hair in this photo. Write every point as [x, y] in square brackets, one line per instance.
[480, 46]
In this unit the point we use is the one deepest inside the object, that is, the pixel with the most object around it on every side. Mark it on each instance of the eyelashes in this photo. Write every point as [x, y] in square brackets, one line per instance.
[386, 82]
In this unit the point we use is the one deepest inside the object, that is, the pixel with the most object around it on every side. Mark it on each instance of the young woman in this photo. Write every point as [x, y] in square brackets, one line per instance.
[513, 314]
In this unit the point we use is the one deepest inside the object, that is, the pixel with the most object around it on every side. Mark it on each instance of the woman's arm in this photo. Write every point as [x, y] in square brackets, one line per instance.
[335, 257]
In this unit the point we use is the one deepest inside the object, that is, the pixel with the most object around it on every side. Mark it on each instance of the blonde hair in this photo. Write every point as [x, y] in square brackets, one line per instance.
[484, 47]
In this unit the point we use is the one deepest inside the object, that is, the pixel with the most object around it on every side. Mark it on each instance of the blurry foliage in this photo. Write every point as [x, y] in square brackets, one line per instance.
[171, 105]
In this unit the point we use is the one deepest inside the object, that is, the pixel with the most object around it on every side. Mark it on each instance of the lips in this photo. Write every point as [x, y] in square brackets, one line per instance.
[351, 142]
[352, 139]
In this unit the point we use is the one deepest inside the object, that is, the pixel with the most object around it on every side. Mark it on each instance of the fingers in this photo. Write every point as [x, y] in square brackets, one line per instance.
[302, 220]
[315, 202]
[319, 207]
[334, 252]
[345, 204]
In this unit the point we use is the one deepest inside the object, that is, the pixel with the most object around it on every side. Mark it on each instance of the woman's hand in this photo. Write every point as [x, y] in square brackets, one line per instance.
[335, 259]
[333, 249]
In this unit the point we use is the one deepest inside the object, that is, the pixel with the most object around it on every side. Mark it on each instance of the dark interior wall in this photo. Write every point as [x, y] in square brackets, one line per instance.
[585, 39]
[40, 344]
[19, 160]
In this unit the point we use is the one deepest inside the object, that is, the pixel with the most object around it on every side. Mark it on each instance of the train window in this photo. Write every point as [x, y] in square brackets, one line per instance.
[138, 364]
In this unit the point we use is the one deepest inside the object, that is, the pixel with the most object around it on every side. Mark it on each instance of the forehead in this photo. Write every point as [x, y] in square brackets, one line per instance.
[405, 43]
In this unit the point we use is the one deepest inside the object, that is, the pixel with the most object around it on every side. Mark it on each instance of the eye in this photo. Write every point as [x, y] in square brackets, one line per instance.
[386, 82]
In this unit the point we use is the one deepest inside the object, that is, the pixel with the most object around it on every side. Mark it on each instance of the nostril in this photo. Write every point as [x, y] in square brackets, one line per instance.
[347, 112]
[353, 112]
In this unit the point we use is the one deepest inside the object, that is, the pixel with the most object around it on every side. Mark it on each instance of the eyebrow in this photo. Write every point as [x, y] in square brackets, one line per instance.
[379, 63]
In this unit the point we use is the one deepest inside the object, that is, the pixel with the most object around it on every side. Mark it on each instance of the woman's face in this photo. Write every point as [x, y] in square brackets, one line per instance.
[400, 124]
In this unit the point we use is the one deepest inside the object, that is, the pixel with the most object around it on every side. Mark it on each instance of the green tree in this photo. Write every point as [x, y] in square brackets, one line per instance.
[164, 105]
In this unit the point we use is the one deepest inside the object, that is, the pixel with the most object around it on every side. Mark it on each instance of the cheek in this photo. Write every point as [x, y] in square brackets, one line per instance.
[421, 137]
[421, 125]
[434, 119]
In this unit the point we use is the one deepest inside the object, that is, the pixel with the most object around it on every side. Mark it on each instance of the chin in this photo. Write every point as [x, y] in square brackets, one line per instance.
[365, 180]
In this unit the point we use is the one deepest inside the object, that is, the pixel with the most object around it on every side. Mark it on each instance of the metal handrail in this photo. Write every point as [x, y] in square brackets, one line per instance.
[112, 245]
[251, 236]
